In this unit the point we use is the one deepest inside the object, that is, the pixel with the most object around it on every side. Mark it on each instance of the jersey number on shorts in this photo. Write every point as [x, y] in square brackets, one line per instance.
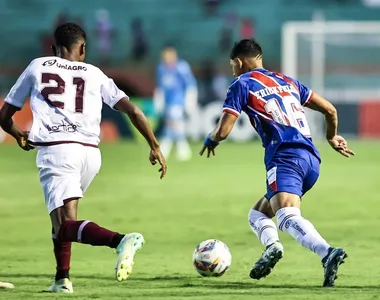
[59, 89]
[294, 115]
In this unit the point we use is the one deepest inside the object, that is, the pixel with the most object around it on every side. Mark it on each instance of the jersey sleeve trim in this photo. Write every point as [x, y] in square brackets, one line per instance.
[9, 101]
[113, 106]
[310, 96]
[231, 111]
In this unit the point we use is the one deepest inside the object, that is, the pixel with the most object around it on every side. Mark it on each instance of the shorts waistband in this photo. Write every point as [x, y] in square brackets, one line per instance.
[47, 144]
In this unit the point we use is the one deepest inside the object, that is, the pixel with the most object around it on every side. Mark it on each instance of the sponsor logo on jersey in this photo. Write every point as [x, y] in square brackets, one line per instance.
[52, 62]
[73, 68]
[49, 63]
[64, 127]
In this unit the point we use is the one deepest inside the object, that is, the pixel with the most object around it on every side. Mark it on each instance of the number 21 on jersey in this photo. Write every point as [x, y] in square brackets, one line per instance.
[294, 114]
[59, 88]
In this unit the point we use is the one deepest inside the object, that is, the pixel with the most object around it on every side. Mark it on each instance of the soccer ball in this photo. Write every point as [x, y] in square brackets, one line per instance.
[212, 258]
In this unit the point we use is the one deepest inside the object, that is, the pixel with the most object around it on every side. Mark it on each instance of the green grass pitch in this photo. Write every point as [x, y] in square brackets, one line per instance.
[197, 200]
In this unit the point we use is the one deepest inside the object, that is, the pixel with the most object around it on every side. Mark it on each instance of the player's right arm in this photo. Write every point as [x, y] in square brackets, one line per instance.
[14, 101]
[118, 100]
[232, 107]
[337, 142]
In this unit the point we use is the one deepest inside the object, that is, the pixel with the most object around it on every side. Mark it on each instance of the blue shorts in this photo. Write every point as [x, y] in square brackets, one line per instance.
[291, 170]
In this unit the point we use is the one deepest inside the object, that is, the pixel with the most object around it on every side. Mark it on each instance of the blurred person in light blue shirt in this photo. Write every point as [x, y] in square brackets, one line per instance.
[175, 96]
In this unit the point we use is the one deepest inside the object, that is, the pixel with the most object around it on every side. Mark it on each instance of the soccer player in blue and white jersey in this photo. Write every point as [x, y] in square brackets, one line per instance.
[176, 94]
[274, 103]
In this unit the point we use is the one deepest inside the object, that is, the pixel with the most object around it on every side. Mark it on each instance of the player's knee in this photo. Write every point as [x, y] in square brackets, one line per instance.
[59, 224]
[264, 207]
[282, 200]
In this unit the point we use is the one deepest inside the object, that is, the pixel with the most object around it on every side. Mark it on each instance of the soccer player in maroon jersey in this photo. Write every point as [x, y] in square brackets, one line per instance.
[66, 97]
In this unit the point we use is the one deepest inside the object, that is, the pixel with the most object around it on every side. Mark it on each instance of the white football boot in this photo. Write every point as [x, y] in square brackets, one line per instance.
[61, 286]
[126, 251]
[6, 285]
[263, 267]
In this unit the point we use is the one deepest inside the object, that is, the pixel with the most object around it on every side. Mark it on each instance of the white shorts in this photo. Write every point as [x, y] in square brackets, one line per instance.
[66, 171]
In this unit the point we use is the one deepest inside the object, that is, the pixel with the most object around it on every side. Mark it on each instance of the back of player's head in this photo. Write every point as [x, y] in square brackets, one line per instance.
[69, 34]
[246, 48]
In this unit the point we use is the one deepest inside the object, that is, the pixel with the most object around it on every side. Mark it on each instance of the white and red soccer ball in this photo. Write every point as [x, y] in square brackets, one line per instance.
[212, 258]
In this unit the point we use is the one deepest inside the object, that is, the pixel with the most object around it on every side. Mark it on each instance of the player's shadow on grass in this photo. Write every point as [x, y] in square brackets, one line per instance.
[253, 285]
[196, 282]
[50, 276]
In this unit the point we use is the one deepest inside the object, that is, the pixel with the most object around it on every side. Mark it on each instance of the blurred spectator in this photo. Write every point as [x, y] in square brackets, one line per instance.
[47, 42]
[47, 38]
[226, 34]
[62, 18]
[211, 6]
[206, 75]
[220, 84]
[247, 29]
[139, 41]
[225, 40]
[104, 33]
[79, 21]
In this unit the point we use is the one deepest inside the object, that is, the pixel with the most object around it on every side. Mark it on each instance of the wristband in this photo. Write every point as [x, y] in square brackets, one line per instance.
[209, 142]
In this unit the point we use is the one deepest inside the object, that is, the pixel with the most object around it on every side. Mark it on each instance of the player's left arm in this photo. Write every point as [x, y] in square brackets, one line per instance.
[312, 100]
[337, 142]
[141, 123]
[118, 100]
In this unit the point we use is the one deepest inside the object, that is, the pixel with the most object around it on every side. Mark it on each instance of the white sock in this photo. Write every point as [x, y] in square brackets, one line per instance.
[166, 147]
[263, 227]
[289, 220]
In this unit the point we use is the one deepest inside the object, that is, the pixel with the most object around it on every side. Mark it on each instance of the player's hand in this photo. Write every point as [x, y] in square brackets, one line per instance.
[156, 155]
[22, 141]
[210, 145]
[210, 150]
[339, 144]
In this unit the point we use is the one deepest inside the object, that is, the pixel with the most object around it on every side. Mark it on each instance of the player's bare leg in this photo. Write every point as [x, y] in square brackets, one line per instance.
[261, 223]
[289, 219]
[6, 285]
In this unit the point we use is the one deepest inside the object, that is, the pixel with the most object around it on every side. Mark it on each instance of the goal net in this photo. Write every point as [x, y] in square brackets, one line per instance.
[338, 59]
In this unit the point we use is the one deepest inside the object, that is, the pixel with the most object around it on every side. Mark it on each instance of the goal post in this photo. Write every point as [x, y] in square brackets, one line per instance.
[338, 59]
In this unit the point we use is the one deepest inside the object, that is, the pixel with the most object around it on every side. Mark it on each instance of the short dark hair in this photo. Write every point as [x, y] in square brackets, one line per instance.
[68, 34]
[246, 47]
